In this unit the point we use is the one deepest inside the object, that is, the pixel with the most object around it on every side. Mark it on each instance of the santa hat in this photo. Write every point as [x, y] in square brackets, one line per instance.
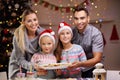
[63, 26]
[48, 32]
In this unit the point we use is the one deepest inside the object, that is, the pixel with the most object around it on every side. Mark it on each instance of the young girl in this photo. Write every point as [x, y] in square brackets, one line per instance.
[68, 52]
[46, 56]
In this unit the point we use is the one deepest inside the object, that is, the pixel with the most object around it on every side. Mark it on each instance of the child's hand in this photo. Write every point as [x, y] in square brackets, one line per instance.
[44, 72]
[39, 70]
[74, 65]
[58, 71]
[37, 67]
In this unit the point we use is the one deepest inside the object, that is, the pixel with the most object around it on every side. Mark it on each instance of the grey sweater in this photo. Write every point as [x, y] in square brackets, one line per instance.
[18, 58]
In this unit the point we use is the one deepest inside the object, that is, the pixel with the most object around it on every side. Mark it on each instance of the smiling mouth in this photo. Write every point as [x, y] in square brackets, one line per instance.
[80, 24]
[33, 27]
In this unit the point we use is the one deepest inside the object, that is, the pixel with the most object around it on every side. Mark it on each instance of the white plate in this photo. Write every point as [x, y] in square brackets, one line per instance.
[55, 66]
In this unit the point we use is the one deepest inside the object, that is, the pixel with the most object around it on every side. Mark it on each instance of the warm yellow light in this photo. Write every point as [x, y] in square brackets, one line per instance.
[36, 11]
[71, 16]
[1, 65]
[17, 18]
[35, 4]
[20, 16]
[0, 22]
[75, 4]
[8, 45]
[61, 5]
[92, 3]
[7, 51]
[98, 14]
[96, 21]
[96, 7]
[85, 4]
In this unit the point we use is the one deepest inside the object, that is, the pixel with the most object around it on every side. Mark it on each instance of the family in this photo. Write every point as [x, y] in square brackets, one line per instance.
[82, 46]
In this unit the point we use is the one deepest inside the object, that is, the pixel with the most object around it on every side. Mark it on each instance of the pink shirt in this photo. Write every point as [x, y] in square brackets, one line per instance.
[42, 58]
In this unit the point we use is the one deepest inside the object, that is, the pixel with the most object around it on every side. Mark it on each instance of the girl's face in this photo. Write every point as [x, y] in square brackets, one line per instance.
[31, 22]
[47, 44]
[65, 36]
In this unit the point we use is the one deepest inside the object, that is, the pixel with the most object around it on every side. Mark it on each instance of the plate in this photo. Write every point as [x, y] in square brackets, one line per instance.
[55, 66]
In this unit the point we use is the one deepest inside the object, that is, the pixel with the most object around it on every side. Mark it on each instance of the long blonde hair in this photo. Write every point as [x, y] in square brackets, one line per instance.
[20, 31]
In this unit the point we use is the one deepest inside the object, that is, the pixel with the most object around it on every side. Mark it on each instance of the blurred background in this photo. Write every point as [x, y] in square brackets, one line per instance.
[104, 14]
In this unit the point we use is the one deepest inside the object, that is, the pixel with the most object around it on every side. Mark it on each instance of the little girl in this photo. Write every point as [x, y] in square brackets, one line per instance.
[68, 52]
[46, 56]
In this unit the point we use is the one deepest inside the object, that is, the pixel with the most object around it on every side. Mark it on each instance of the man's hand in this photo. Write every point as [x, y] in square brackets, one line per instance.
[75, 65]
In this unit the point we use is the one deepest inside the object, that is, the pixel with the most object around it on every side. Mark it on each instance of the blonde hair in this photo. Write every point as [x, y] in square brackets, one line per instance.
[20, 31]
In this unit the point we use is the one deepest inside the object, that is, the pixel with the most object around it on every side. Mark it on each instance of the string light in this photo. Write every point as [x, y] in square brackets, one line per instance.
[75, 4]
[61, 7]
[96, 7]
[36, 11]
[85, 4]
[35, 4]
[96, 21]
[98, 14]
[17, 18]
[0, 22]
[7, 51]
[8, 45]
[92, 3]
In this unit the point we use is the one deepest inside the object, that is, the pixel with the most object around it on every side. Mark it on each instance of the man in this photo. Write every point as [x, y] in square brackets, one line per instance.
[90, 38]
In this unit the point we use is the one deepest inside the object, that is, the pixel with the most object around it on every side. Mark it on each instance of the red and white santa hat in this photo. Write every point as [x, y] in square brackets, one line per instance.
[48, 32]
[63, 26]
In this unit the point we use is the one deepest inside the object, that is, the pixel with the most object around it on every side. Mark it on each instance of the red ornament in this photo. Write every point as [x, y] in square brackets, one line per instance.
[6, 31]
[56, 8]
[46, 4]
[35, 1]
[67, 9]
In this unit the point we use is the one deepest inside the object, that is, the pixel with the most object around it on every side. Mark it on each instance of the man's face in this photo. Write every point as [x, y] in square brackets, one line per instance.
[81, 20]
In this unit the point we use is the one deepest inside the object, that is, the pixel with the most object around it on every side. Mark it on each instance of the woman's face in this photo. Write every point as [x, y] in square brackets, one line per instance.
[46, 44]
[65, 36]
[31, 22]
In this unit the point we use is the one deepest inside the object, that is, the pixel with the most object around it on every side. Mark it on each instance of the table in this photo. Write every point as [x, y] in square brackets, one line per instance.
[53, 79]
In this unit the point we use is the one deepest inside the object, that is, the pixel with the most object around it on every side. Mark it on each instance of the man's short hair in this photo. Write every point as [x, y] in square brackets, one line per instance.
[80, 8]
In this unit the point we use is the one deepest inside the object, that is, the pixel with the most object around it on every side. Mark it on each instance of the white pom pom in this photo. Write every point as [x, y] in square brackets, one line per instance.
[61, 24]
[52, 33]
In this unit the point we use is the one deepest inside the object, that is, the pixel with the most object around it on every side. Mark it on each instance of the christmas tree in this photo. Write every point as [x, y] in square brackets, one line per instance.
[10, 17]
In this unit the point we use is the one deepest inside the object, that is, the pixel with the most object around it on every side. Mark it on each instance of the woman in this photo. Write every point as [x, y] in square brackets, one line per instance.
[25, 43]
